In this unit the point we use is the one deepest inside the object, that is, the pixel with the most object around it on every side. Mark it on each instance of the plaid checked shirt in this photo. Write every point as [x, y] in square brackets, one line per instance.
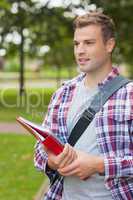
[114, 126]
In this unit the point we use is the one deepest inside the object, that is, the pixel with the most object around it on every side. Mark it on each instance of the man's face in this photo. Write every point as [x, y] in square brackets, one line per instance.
[91, 52]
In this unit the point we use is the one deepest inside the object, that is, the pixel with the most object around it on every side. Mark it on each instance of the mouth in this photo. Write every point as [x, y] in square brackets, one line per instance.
[83, 61]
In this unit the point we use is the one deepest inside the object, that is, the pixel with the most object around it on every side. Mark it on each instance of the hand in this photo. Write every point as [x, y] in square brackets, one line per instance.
[65, 158]
[84, 166]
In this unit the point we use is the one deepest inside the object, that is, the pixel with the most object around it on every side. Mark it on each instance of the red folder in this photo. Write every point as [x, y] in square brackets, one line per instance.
[43, 135]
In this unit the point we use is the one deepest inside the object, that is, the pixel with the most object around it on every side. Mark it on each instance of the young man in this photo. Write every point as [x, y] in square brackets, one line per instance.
[106, 146]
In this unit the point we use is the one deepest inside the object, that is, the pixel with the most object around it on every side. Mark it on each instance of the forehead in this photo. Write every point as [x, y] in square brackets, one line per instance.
[88, 32]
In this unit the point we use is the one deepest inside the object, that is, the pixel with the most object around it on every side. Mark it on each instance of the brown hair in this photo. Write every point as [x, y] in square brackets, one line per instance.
[97, 18]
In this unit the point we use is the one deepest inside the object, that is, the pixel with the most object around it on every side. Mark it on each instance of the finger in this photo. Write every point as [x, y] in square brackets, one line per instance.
[70, 167]
[75, 155]
[66, 158]
[70, 173]
[64, 152]
[83, 178]
[72, 156]
[69, 157]
[70, 160]
[59, 158]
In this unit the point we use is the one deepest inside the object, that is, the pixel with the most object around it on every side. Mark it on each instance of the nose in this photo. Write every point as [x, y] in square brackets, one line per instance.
[80, 49]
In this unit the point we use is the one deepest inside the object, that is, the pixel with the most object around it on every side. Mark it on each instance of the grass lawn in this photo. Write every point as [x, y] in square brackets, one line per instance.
[19, 180]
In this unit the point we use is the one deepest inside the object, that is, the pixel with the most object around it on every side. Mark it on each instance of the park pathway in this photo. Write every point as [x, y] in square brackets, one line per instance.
[8, 127]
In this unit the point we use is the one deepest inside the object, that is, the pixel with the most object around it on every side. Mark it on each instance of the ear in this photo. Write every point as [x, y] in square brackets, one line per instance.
[110, 45]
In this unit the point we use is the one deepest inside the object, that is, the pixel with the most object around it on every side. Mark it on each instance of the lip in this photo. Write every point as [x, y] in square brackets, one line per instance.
[82, 60]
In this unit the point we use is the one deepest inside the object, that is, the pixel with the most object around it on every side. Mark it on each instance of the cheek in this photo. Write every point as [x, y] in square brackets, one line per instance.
[93, 50]
[98, 52]
[75, 53]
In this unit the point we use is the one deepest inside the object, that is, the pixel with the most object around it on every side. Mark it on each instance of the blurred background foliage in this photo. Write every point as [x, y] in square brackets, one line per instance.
[42, 30]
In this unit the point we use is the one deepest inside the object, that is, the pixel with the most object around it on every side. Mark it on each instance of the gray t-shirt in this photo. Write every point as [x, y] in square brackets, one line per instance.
[92, 188]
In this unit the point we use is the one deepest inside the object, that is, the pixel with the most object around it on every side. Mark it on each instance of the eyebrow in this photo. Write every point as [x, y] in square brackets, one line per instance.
[88, 40]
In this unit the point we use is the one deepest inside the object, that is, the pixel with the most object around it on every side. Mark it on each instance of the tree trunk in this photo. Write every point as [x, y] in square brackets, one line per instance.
[21, 88]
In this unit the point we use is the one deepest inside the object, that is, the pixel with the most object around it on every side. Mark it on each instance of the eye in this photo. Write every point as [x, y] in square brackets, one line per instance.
[76, 43]
[89, 42]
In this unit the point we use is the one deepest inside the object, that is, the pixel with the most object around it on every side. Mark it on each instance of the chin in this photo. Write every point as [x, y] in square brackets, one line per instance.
[86, 69]
[92, 67]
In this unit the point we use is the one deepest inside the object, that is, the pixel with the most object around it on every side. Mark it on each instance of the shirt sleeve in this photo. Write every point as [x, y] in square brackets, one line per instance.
[118, 167]
[40, 161]
[40, 156]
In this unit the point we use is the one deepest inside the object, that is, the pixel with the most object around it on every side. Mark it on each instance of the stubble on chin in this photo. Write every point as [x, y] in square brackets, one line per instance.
[86, 69]
[91, 67]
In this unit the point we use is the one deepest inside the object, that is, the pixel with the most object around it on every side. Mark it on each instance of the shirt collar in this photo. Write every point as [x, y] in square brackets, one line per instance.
[114, 72]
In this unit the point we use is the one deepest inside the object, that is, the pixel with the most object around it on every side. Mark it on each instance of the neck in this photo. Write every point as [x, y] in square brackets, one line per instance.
[94, 77]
